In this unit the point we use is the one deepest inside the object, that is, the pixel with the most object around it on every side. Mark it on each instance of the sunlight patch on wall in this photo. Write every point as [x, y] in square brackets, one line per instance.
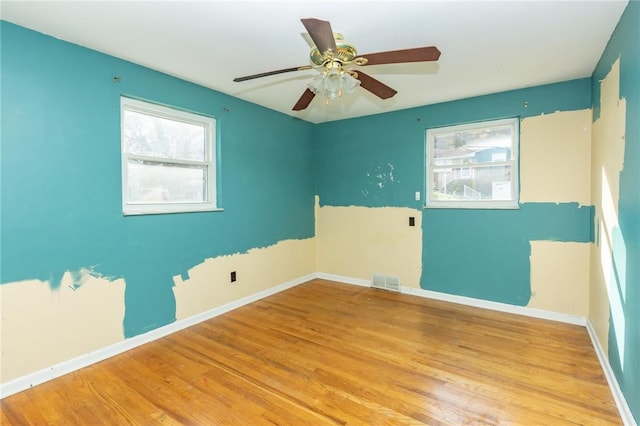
[560, 277]
[608, 264]
[209, 283]
[356, 242]
[41, 327]
[609, 234]
[614, 290]
[555, 155]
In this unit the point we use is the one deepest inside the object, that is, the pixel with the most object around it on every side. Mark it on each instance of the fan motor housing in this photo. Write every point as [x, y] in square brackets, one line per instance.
[346, 52]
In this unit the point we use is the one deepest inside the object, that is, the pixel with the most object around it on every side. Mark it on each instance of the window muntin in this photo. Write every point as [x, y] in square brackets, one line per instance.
[168, 159]
[473, 165]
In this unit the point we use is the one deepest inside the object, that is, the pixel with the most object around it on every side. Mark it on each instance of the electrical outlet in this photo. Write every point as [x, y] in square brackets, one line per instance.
[233, 277]
[412, 221]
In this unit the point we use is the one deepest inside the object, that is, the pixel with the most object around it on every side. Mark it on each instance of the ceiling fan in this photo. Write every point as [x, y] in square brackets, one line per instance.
[332, 54]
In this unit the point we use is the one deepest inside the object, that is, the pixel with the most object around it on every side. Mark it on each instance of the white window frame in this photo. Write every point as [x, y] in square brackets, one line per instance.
[432, 202]
[209, 124]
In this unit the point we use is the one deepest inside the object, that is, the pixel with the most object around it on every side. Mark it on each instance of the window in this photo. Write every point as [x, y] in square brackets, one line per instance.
[168, 159]
[473, 165]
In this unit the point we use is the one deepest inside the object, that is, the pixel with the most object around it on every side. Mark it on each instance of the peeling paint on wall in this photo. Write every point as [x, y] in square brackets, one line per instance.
[76, 279]
[379, 176]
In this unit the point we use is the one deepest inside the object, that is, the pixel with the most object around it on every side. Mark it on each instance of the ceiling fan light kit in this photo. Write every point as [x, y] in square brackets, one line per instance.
[332, 53]
[333, 82]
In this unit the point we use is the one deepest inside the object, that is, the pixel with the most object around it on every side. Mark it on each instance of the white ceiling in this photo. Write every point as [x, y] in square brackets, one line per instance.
[487, 46]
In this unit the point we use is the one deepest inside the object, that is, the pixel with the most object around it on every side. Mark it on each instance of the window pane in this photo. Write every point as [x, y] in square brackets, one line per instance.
[487, 144]
[472, 183]
[151, 182]
[154, 136]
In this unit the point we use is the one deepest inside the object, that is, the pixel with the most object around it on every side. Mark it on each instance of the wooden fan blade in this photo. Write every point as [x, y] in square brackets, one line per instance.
[304, 100]
[266, 74]
[321, 34]
[376, 87]
[308, 40]
[418, 54]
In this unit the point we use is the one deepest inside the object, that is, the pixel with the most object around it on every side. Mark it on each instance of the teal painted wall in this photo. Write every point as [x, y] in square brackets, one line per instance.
[624, 44]
[379, 161]
[61, 182]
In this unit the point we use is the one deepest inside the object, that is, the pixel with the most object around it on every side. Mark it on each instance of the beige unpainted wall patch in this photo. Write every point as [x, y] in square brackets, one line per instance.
[209, 285]
[42, 327]
[555, 158]
[356, 242]
[560, 277]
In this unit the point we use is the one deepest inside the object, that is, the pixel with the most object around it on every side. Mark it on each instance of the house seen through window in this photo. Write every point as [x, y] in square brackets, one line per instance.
[168, 159]
[473, 165]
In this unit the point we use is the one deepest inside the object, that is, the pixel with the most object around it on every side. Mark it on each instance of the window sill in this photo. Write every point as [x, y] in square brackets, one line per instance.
[473, 206]
[141, 212]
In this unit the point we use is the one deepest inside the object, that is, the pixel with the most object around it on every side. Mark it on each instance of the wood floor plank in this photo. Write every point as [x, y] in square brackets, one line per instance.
[325, 353]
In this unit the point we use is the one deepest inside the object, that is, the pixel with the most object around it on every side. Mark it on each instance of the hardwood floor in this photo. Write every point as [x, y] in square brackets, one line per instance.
[325, 353]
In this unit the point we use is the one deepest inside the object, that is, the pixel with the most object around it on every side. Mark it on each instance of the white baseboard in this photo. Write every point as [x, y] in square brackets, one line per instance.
[65, 367]
[343, 279]
[618, 396]
[497, 306]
